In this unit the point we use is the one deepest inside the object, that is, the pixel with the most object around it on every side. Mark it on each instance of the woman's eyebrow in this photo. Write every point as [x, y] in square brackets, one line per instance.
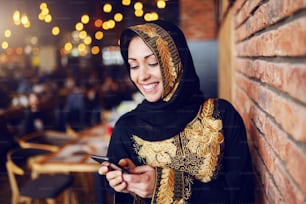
[147, 56]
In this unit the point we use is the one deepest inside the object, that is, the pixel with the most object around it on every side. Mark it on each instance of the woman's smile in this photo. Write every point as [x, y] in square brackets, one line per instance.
[149, 87]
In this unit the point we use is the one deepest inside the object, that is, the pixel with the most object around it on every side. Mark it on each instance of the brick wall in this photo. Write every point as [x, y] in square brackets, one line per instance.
[197, 19]
[269, 90]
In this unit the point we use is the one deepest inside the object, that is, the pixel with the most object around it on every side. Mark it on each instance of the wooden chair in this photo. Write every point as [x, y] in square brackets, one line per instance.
[48, 139]
[47, 187]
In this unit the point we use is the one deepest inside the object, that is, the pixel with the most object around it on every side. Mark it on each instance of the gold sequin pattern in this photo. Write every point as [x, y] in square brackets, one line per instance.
[195, 150]
[165, 191]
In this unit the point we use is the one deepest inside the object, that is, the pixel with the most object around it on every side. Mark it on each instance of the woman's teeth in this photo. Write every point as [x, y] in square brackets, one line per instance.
[149, 87]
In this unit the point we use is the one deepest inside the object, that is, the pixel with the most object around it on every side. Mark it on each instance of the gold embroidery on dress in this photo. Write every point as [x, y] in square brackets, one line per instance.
[188, 181]
[157, 154]
[204, 139]
[165, 191]
[201, 143]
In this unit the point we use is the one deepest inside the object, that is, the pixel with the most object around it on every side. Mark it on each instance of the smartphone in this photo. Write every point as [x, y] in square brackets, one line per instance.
[113, 166]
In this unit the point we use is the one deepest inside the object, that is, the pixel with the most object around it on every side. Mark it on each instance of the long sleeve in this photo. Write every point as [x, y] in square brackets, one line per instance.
[120, 147]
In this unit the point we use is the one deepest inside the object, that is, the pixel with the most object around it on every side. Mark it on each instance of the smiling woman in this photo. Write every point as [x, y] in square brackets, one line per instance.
[178, 146]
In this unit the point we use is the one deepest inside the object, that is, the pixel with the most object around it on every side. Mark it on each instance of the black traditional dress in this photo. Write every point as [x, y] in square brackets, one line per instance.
[197, 146]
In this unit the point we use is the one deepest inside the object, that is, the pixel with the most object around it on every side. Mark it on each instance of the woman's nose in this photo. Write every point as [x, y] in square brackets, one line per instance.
[144, 73]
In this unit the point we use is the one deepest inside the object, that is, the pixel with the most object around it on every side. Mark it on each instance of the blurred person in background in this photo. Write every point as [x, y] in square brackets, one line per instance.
[6, 135]
[39, 115]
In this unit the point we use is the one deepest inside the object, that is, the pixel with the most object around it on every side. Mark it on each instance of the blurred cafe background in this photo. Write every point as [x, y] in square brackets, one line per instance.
[63, 85]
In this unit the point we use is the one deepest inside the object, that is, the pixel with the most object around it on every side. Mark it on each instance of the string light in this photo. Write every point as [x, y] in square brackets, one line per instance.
[82, 34]
[4, 45]
[126, 2]
[44, 14]
[16, 17]
[98, 23]
[81, 47]
[88, 40]
[95, 50]
[111, 24]
[24, 19]
[68, 46]
[21, 18]
[79, 26]
[138, 13]
[43, 5]
[161, 4]
[107, 8]
[151, 16]
[99, 35]
[138, 6]
[45, 11]
[7, 33]
[55, 30]
[85, 19]
[118, 17]
[27, 25]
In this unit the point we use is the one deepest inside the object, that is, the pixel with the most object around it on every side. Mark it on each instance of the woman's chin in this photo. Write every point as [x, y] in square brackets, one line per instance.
[152, 98]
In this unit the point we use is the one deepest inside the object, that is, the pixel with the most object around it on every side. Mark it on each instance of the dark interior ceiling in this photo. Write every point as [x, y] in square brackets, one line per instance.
[66, 13]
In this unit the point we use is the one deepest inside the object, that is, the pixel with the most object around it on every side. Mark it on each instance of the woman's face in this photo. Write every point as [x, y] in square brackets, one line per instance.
[145, 70]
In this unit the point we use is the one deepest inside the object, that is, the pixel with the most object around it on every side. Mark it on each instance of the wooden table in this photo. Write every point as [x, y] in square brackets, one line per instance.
[75, 155]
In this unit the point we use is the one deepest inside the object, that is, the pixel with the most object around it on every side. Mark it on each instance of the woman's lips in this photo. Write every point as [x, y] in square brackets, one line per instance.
[149, 87]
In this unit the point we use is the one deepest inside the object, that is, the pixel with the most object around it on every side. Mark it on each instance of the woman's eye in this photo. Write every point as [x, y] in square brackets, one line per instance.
[133, 66]
[153, 64]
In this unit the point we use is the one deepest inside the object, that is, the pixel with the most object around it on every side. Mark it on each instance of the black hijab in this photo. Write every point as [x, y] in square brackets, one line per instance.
[182, 96]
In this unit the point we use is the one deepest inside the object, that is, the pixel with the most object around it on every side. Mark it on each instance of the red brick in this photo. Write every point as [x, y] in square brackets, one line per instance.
[287, 113]
[279, 187]
[253, 135]
[290, 192]
[268, 14]
[289, 43]
[295, 81]
[197, 19]
[283, 146]
[269, 91]
[287, 150]
[265, 169]
[242, 103]
[248, 86]
[246, 11]
[279, 42]
[238, 4]
[287, 77]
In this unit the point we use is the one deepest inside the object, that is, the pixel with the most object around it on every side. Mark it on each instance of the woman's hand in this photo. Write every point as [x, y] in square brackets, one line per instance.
[140, 181]
[114, 177]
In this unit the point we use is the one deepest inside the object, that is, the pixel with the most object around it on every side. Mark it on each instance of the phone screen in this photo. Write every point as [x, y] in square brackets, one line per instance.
[113, 166]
